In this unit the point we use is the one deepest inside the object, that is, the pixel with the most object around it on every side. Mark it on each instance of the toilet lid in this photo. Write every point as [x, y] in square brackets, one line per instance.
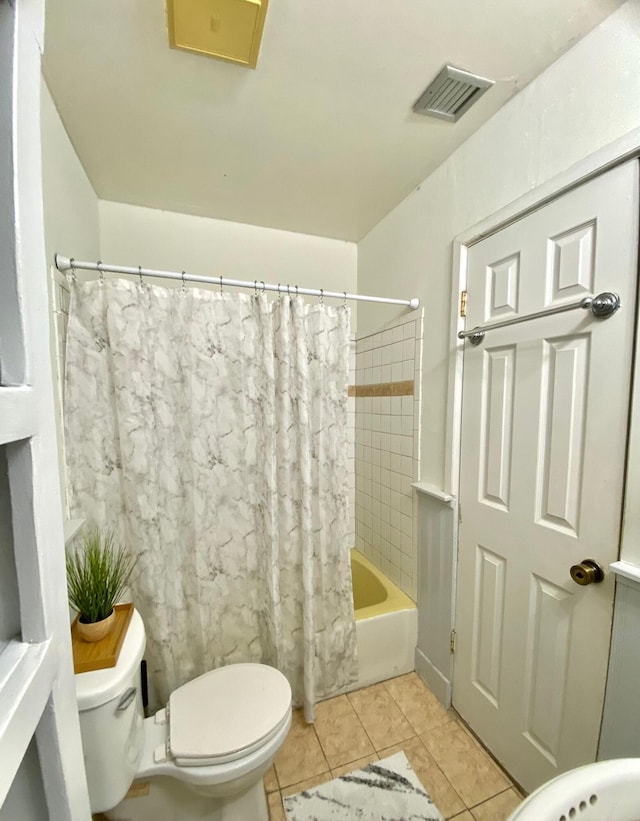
[227, 713]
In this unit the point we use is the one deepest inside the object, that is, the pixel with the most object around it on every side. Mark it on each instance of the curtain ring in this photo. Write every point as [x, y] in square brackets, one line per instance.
[296, 290]
[255, 288]
[100, 271]
[289, 291]
[140, 275]
[220, 283]
[279, 294]
[72, 273]
[264, 287]
[344, 300]
[321, 296]
[184, 287]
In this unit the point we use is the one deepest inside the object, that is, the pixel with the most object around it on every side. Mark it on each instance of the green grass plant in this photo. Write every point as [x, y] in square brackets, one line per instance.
[97, 575]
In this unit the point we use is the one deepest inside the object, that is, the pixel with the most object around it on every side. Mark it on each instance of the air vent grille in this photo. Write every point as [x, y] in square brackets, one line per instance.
[451, 93]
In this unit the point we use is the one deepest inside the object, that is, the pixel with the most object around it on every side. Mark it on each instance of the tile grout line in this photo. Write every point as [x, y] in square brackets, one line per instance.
[456, 718]
[486, 800]
[369, 739]
[451, 715]
[437, 766]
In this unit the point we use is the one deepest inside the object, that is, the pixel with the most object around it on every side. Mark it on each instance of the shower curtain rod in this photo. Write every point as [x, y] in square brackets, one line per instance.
[69, 263]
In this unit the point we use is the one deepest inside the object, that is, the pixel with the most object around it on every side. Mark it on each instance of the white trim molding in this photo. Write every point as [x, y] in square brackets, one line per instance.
[435, 492]
[626, 570]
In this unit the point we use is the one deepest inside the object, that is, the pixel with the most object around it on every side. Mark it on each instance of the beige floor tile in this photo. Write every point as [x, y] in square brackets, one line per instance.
[270, 780]
[470, 770]
[301, 756]
[464, 816]
[307, 784]
[354, 765]
[380, 716]
[498, 808]
[276, 810]
[332, 707]
[341, 734]
[421, 708]
[433, 779]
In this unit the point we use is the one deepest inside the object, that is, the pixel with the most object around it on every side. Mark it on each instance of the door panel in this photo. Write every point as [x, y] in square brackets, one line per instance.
[497, 419]
[544, 420]
[565, 365]
[489, 622]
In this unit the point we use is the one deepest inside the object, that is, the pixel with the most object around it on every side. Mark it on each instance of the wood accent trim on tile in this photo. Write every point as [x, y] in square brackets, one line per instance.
[404, 388]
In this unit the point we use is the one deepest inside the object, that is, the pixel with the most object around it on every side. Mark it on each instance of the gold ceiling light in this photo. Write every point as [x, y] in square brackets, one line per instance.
[227, 29]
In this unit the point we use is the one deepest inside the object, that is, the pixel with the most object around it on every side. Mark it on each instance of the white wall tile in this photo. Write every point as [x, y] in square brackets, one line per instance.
[409, 331]
[387, 437]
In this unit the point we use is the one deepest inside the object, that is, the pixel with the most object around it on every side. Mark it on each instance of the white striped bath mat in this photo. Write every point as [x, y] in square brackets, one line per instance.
[386, 790]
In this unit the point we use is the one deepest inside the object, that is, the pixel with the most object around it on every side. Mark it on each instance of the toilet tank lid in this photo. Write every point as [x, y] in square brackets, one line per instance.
[100, 686]
[226, 711]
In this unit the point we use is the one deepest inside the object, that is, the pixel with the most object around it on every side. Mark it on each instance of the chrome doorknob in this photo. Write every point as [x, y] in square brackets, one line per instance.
[587, 572]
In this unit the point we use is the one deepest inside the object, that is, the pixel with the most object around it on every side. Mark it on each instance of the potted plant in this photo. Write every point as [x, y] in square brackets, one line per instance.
[97, 575]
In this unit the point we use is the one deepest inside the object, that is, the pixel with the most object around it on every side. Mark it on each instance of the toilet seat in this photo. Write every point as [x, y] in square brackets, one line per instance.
[226, 714]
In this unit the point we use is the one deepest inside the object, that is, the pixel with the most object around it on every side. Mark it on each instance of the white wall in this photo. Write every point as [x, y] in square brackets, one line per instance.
[70, 203]
[131, 235]
[585, 100]
[70, 209]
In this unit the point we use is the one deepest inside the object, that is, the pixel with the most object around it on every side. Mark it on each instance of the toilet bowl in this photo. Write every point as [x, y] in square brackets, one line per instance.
[201, 757]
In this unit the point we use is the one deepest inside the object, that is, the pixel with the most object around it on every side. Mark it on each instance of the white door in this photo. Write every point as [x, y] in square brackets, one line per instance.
[42, 769]
[544, 426]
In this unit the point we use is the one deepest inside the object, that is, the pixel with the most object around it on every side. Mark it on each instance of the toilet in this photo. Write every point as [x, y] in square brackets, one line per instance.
[201, 757]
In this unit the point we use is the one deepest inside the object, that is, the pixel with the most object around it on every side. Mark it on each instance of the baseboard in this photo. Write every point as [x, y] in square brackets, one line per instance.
[433, 678]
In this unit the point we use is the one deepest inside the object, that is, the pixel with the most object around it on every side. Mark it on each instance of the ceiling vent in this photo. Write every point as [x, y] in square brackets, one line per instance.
[451, 93]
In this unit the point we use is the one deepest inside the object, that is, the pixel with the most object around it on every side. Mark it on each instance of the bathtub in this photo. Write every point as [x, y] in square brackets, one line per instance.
[386, 624]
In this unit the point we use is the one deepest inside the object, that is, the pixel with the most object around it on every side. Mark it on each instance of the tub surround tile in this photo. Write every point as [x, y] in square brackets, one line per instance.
[341, 734]
[396, 386]
[301, 756]
[420, 707]
[470, 770]
[380, 716]
[387, 421]
[435, 782]
[498, 808]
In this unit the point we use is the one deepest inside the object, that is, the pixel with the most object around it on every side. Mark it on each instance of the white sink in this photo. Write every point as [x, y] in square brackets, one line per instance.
[605, 791]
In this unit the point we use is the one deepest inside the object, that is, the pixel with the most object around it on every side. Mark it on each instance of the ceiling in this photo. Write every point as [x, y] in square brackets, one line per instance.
[320, 138]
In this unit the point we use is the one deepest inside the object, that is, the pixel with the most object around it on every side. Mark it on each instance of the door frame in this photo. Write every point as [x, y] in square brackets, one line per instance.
[621, 150]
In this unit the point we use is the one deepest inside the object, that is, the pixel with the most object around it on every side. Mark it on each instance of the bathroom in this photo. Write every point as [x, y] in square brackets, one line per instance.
[409, 248]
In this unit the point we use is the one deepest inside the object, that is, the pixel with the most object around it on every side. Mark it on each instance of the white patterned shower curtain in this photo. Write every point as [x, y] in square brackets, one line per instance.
[209, 431]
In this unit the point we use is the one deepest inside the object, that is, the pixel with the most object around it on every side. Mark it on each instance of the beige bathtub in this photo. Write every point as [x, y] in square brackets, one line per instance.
[386, 624]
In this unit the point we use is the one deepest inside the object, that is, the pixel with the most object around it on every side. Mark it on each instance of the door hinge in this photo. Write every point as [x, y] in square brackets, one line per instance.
[452, 641]
[463, 303]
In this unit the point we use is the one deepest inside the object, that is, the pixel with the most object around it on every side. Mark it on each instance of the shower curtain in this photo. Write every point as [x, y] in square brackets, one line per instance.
[208, 430]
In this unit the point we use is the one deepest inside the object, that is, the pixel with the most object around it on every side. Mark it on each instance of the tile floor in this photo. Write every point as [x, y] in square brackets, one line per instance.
[378, 721]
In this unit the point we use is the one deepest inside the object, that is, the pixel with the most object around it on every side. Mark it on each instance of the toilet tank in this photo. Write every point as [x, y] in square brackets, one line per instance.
[111, 721]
